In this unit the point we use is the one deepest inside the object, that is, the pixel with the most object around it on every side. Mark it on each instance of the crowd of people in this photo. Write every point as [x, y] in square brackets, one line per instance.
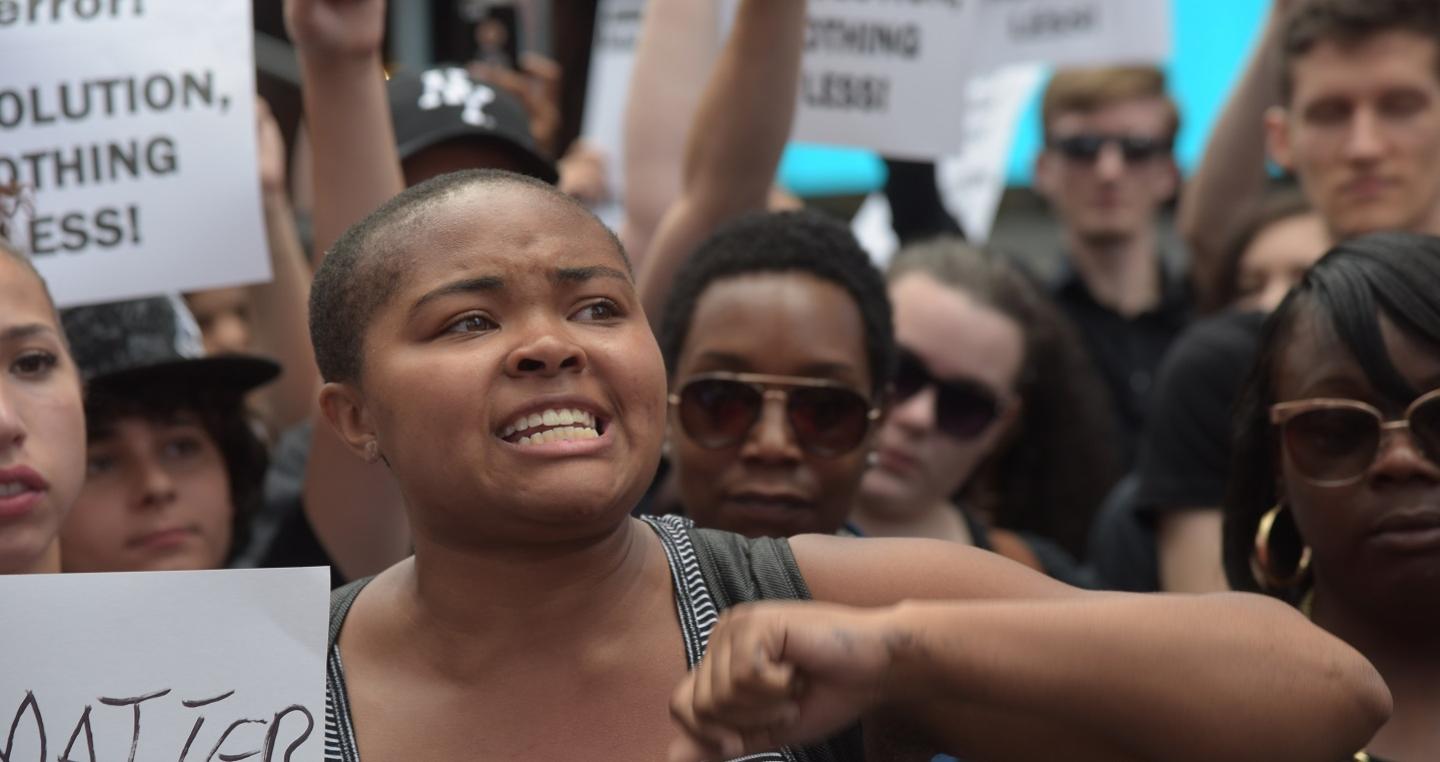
[711, 485]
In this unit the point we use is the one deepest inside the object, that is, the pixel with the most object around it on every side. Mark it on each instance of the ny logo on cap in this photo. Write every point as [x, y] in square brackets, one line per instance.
[453, 87]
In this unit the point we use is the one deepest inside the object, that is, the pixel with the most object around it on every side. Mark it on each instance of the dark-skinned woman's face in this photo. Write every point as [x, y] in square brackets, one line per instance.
[512, 382]
[781, 324]
[1375, 542]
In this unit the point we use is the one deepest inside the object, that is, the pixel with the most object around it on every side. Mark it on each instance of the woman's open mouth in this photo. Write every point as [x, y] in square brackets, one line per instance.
[553, 425]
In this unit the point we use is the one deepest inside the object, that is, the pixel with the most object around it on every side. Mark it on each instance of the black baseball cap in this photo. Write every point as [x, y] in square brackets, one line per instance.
[128, 346]
[445, 103]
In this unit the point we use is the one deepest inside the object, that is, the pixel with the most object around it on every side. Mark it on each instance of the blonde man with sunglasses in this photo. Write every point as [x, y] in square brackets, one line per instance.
[1107, 171]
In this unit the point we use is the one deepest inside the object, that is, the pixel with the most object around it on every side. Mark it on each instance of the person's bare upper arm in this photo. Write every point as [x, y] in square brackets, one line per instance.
[881, 572]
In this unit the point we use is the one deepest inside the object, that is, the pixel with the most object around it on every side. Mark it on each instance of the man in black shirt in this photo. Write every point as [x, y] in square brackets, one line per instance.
[1107, 170]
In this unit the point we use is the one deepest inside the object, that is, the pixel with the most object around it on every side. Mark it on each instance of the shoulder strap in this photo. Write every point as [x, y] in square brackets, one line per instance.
[341, 599]
[738, 570]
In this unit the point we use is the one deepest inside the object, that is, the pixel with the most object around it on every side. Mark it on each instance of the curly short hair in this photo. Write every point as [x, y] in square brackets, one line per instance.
[1396, 275]
[784, 242]
[367, 264]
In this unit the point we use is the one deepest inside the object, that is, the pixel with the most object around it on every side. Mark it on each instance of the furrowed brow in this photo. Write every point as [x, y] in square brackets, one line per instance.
[467, 286]
[570, 275]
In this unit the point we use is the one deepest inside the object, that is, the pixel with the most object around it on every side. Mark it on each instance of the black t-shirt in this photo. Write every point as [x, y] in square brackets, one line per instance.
[1184, 456]
[1126, 350]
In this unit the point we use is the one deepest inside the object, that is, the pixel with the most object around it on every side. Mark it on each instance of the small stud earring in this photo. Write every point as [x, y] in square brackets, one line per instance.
[872, 459]
[372, 451]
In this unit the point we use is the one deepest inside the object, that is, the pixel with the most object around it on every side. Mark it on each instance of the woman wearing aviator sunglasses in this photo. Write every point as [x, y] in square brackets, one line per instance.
[997, 417]
[777, 339]
[1334, 501]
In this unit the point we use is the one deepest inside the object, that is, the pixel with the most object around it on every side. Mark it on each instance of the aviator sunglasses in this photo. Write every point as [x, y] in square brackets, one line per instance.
[1333, 442]
[718, 410]
[963, 409]
[1087, 148]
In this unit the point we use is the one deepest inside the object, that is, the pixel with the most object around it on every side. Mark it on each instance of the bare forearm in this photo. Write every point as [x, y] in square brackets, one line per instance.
[281, 318]
[677, 48]
[745, 118]
[356, 165]
[1232, 174]
[1150, 678]
[736, 140]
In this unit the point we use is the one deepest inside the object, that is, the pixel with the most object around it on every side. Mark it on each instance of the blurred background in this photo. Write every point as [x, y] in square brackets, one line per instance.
[1210, 43]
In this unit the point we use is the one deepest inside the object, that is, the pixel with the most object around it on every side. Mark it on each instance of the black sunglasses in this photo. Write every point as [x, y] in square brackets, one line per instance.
[963, 409]
[1087, 148]
[718, 410]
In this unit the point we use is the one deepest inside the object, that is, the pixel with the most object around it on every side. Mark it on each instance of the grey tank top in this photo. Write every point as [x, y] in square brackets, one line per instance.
[710, 571]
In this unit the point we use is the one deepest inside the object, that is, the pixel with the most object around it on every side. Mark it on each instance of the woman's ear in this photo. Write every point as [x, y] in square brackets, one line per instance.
[344, 408]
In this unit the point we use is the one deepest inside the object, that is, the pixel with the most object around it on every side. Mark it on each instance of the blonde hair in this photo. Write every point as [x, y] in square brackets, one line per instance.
[1087, 90]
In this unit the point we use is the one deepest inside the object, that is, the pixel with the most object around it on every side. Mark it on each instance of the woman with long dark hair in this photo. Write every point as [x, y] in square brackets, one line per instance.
[998, 417]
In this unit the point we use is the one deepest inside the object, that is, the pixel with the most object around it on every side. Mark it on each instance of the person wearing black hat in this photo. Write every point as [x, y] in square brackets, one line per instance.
[174, 467]
[445, 119]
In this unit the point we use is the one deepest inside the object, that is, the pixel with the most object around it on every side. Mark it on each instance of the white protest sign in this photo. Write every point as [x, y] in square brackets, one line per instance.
[188, 666]
[972, 181]
[1073, 32]
[874, 228]
[612, 58]
[886, 75]
[128, 126]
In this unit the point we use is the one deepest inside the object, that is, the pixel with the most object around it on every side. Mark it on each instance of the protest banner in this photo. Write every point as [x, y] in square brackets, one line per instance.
[127, 134]
[886, 75]
[972, 180]
[187, 666]
[1072, 32]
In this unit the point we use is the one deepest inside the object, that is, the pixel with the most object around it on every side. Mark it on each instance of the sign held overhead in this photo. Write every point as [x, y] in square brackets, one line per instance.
[127, 145]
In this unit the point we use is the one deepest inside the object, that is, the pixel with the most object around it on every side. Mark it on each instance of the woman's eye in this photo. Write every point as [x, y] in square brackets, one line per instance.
[597, 311]
[34, 364]
[472, 324]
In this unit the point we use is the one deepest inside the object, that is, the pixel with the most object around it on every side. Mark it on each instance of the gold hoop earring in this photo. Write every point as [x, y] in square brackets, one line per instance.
[1261, 558]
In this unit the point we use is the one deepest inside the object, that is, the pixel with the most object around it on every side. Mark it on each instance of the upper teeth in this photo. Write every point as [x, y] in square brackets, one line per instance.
[11, 489]
[554, 417]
